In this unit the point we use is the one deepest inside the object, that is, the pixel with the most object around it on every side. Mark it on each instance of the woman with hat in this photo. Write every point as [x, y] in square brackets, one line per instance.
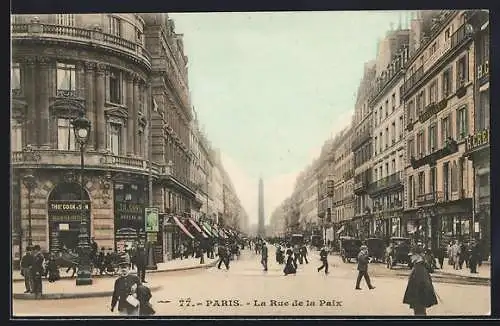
[419, 294]
[291, 265]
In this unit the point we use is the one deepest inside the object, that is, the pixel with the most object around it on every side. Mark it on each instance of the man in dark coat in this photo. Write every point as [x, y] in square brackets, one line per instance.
[363, 260]
[144, 295]
[323, 256]
[37, 271]
[474, 257]
[141, 260]
[263, 260]
[26, 265]
[223, 254]
[419, 293]
[122, 289]
[303, 253]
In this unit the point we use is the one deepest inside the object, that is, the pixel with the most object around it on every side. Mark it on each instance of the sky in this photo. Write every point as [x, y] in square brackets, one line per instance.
[270, 88]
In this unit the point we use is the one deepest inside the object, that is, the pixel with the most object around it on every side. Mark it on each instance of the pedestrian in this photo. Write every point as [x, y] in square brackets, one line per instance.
[464, 251]
[303, 253]
[440, 253]
[363, 260]
[53, 269]
[263, 260]
[455, 253]
[37, 271]
[201, 249]
[180, 251]
[141, 260]
[419, 294]
[223, 256]
[26, 265]
[474, 257]
[296, 254]
[123, 292]
[291, 265]
[449, 254]
[323, 256]
[144, 297]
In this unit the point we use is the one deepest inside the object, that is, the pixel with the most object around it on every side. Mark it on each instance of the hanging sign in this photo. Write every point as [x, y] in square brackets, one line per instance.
[151, 219]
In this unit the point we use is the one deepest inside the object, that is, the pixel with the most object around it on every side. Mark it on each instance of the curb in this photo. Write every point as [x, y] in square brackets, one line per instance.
[450, 276]
[176, 269]
[56, 296]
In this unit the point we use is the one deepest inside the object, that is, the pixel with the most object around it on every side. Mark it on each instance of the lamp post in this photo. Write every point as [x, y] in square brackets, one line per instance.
[81, 127]
[29, 182]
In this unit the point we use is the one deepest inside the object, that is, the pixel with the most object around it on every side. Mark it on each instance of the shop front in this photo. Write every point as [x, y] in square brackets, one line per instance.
[395, 226]
[129, 204]
[65, 213]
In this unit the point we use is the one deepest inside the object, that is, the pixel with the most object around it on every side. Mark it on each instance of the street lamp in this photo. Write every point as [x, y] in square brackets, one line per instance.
[81, 127]
[30, 183]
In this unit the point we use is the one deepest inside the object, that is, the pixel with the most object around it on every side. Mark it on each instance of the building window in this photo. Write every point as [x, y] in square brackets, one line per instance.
[387, 137]
[66, 79]
[420, 102]
[433, 92]
[433, 181]
[393, 166]
[114, 138]
[432, 138]
[411, 111]
[420, 144]
[483, 111]
[445, 129]
[141, 139]
[16, 137]
[462, 72]
[375, 144]
[447, 34]
[65, 19]
[454, 177]
[462, 123]
[386, 108]
[433, 48]
[115, 26]
[447, 82]
[15, 76]
[393, 101]
[411, 191]
[375, 118]
[65, 135]
[393, 132]
[401, 127]
[114, 86]
[411, 148]
[421, 183]
[380, 139]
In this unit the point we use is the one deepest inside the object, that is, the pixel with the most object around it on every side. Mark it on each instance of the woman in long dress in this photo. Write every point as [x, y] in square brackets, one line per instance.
[290, 267]
[419, 294]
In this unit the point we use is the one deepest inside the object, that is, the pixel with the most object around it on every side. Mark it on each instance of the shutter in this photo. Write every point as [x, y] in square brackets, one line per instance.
[466, 67]
[457, 124]
[466, 122]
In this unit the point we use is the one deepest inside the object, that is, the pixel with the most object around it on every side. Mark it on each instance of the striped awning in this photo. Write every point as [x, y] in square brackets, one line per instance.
[182, 227]
[197, 227]
[221, 233]
[209, 230]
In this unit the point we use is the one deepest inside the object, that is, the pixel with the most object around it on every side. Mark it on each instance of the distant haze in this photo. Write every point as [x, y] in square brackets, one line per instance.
[270, 88]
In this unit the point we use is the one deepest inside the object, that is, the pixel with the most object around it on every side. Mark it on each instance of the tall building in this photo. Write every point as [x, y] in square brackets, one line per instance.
[261, 226]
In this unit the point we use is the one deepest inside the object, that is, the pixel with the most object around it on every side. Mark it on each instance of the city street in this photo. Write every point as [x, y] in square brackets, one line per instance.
[245, 289]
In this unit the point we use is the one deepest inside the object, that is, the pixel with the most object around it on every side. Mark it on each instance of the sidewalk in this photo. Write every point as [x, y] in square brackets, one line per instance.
[484, 271]
[102, 286]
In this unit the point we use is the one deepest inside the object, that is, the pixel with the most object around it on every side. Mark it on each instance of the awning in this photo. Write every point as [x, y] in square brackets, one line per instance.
[182, 227]
[221, 233]
[341, 229]
[209, 230]
[197, 227]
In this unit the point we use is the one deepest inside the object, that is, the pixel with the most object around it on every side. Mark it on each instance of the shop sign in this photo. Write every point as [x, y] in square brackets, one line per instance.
[151, 219]
[68, 206]
[152, 237]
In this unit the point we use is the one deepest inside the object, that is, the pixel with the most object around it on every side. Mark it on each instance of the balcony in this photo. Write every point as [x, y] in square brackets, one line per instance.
[33, 158]
[389, 182]
[77, 35]
[478, 141]
[413, 80]
[449, 148]
[430, 198]
[361, 139]
[348, 174]
[432, 109]
[360, 187]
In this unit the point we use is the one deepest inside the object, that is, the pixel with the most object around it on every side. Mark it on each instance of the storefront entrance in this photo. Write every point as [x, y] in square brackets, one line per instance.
[65, 214]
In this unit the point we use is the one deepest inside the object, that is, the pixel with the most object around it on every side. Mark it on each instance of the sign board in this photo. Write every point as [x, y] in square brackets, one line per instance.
[476, 227]
[63, 227]
[152, 237]
[151, 219]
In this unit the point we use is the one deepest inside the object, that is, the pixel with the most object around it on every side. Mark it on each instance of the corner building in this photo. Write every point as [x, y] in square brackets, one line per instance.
[96, 64]
[438, 93]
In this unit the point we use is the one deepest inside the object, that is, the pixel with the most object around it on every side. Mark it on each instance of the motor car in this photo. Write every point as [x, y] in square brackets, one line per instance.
[349, 248]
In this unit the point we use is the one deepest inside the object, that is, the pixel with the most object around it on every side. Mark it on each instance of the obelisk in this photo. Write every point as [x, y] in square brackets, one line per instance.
[261, 229]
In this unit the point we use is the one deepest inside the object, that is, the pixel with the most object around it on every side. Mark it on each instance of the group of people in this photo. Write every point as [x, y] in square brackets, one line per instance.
[34, 267]
[460, 253]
